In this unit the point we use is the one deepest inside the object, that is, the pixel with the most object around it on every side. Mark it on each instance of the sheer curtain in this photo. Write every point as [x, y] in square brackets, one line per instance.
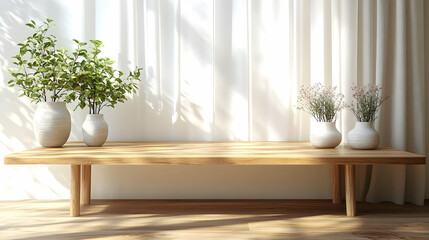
[229, 70]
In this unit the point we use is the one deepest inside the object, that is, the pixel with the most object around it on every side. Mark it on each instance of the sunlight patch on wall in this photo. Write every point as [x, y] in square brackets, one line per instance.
[196, 64]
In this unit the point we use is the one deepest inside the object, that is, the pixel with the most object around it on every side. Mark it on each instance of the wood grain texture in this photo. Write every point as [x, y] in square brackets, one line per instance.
[210, 153]
[75, 191]
[85, 194]
[336, 184]
[208, 219]
[350, 190]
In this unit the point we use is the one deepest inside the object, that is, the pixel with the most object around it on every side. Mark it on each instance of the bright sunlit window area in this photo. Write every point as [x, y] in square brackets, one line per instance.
[214, 119]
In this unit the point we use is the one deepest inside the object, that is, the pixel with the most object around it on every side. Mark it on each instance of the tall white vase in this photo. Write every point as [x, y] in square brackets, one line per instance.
[363, 136]
[95, 130]
[52, 124]
[325, 135]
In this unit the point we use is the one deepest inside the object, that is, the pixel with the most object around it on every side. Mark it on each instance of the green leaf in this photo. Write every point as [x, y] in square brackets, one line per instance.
[96, 43]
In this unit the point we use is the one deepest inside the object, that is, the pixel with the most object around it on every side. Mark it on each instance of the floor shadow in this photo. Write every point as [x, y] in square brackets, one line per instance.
[295, 219]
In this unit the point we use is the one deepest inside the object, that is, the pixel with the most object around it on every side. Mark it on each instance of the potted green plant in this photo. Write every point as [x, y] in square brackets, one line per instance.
[98, 85]
[323, 103]
[367, 101]
[42, 74]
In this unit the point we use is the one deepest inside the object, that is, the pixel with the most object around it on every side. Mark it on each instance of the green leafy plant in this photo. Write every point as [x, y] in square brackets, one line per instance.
[322, 103]
[367, 101]
[42, 71]
[96, 83]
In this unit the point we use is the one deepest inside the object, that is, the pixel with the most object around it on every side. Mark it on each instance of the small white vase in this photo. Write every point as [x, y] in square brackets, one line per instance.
[363, 136]
[94, 130]
[52, 124]
[325, 135]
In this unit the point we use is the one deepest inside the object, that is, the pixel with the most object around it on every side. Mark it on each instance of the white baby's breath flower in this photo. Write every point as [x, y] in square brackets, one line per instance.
[367, 102]
[321, 102]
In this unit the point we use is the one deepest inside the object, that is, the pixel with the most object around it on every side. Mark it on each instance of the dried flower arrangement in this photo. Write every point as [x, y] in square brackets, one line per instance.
[367, 102]
[321, 102]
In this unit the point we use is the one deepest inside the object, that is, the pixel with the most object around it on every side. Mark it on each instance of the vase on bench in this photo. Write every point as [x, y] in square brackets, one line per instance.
[52, 124]
[363, 136]
[367, 102]
[95, 130]
[325, 135]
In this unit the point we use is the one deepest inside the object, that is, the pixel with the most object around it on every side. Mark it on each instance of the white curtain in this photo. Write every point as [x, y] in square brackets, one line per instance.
[230, 70]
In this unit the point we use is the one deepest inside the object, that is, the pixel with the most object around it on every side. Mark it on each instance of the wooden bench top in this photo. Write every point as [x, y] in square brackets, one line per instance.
[210, 153]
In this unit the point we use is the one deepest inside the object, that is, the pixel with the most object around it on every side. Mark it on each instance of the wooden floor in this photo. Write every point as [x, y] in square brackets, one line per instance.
[249, 219]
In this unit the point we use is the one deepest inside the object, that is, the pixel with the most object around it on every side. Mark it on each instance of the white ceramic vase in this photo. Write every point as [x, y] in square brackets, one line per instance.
[52, 124]
[94, 130]
[363, 136]
[325, 135]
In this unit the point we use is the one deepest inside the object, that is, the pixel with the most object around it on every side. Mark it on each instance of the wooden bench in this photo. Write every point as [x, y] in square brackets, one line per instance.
[81, 157]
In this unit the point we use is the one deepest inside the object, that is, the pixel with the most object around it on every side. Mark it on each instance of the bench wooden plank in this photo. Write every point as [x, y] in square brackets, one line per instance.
[80, 157]
[210, 153]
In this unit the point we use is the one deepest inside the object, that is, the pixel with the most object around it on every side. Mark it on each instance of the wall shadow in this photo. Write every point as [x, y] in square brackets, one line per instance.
[16, 128]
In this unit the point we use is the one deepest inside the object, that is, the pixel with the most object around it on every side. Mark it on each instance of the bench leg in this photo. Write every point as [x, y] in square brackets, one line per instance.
[75, 191]
[336, 187]
[85, 195]
[350, 190]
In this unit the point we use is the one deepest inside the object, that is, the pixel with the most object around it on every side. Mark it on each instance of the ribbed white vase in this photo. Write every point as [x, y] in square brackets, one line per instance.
[94, 130]
[52, 124]
[325, 135]
[363, 136]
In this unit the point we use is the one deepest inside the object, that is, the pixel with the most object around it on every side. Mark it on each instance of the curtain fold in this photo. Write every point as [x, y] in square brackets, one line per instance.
[403, 118]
